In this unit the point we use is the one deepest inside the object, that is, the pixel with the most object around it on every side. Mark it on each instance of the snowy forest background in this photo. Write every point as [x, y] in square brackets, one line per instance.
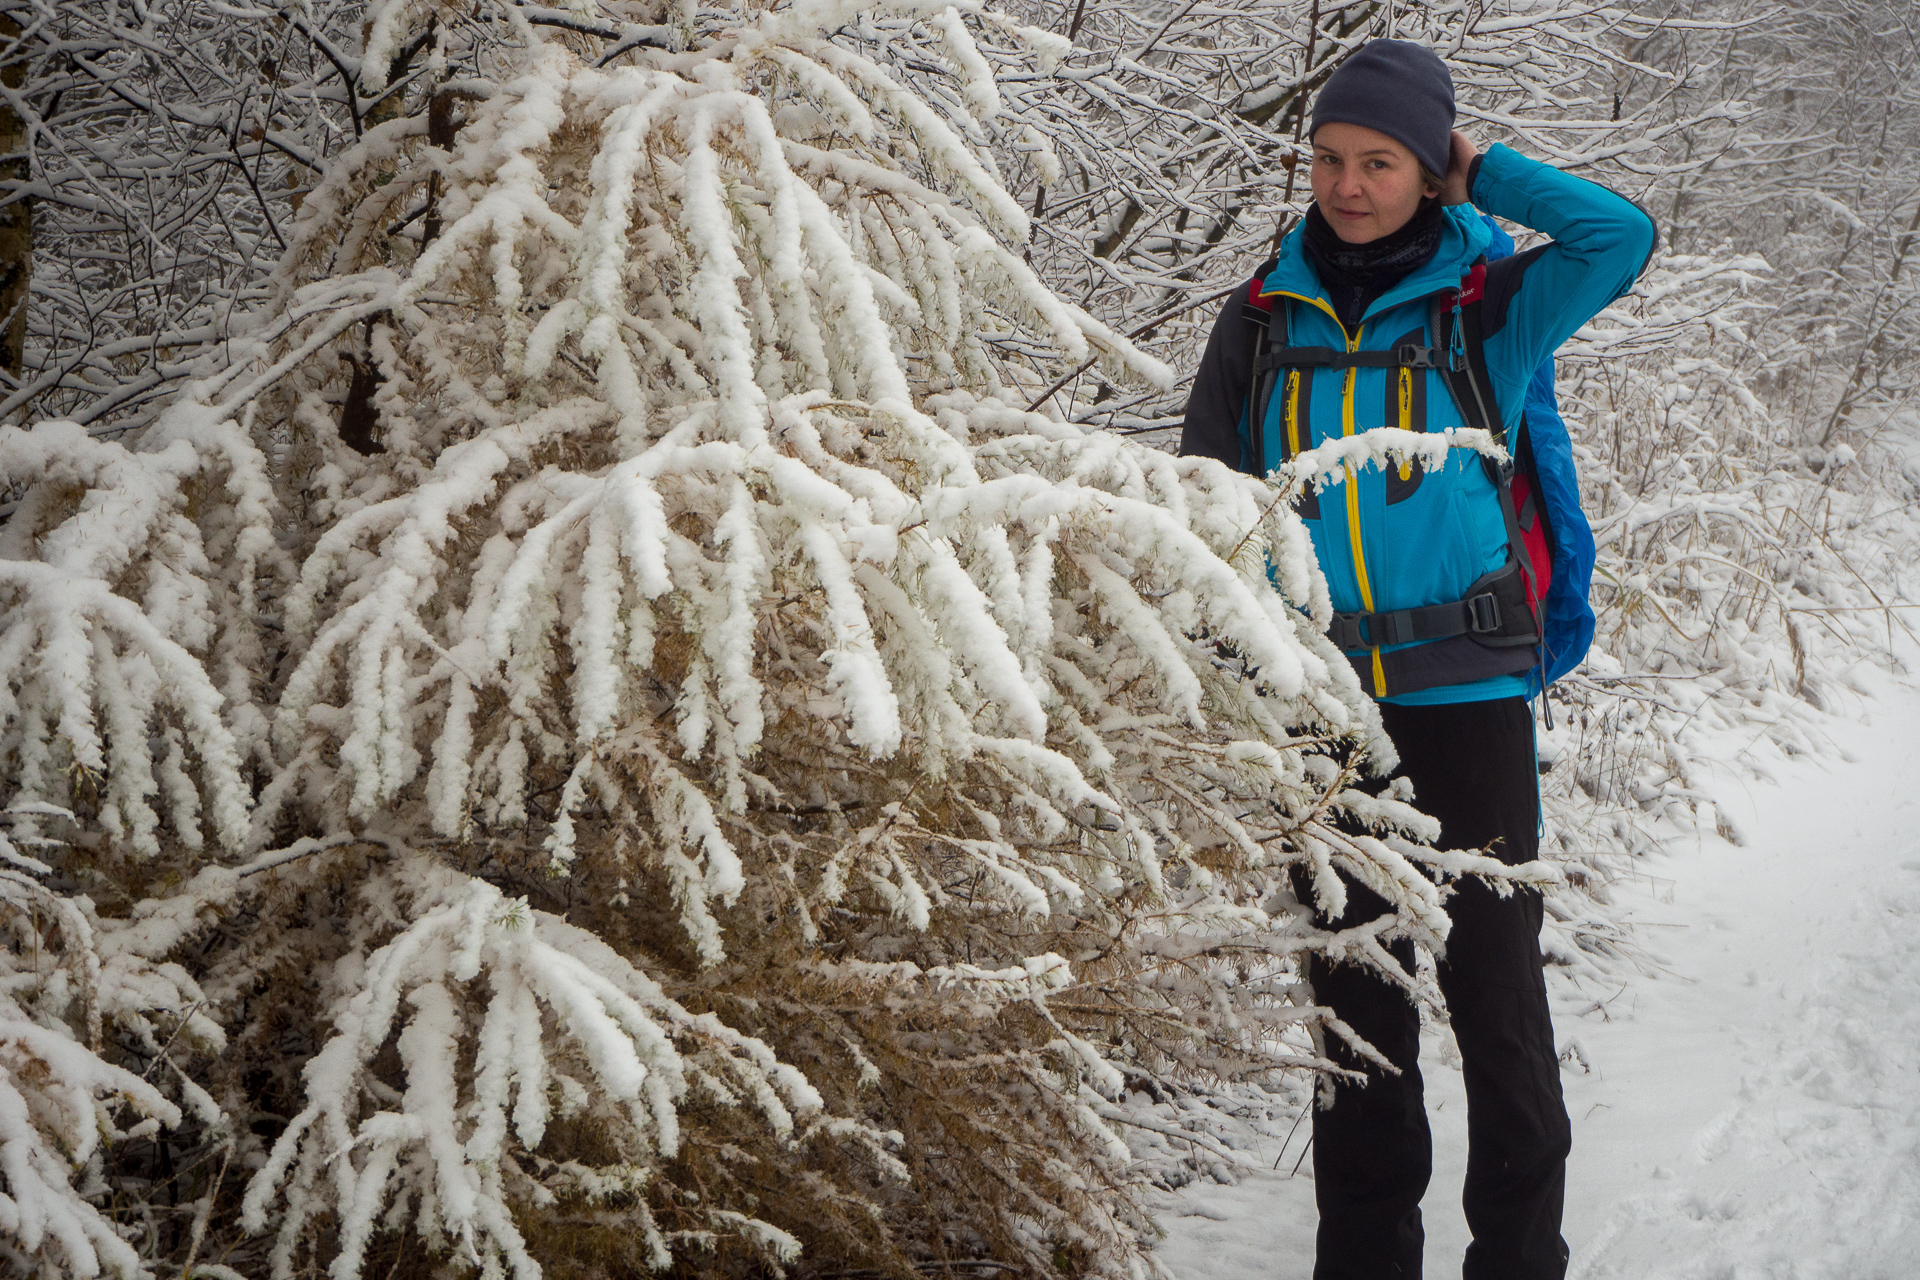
[604, 667]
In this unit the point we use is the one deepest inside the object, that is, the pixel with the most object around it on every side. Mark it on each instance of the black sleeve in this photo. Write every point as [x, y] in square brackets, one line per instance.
[1503, 280]
[1219, 394]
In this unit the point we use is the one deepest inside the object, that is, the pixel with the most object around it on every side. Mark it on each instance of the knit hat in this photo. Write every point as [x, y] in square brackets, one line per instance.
[1403, 90]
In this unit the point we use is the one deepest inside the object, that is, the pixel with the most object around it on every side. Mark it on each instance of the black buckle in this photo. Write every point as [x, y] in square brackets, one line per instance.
[1483, 613]
[1412, 355]
[1346, 632]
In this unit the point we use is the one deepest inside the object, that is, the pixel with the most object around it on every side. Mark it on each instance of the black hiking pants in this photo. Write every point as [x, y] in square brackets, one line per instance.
[1472, 767]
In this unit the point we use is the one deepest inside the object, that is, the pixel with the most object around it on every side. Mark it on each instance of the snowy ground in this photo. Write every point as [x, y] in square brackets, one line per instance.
[1752, 1113]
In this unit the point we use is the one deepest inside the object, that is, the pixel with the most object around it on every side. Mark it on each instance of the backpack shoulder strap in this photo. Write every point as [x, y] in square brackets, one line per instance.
[1254, 307]
[1465, 367]
[1268, 324]
[1464, 370]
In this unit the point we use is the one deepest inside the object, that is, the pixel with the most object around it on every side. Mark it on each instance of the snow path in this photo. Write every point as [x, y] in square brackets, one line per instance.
[1754, 1113]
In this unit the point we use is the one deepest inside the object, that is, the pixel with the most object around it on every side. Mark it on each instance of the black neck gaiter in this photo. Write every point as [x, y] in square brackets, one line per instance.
[1356, 274]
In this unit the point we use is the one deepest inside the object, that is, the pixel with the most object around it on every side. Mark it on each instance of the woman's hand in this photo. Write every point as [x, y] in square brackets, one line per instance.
[1459, 164]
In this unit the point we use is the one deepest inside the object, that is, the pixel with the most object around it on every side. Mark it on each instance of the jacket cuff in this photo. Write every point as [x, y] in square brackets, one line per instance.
[1498, 166]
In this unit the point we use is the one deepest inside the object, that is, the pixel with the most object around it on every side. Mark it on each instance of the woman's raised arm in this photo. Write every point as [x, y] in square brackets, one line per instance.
[1601, 242]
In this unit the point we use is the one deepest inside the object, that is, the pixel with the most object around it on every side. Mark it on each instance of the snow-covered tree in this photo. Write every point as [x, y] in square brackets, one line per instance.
[158, 151]
[1168, 153]
[600, 733]
[1738, 420]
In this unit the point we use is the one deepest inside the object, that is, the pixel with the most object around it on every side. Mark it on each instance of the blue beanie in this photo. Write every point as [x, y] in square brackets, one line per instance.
[1403, 90]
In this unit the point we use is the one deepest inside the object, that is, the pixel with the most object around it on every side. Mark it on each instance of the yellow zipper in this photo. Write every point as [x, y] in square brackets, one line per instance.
[1293, 413]
[1353, 487]
[1406, 415]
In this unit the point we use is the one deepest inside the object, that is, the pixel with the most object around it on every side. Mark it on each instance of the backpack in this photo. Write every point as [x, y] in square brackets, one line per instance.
[1538, 599]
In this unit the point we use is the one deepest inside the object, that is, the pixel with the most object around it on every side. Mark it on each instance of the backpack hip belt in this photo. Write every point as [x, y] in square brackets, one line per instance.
[1495, 612]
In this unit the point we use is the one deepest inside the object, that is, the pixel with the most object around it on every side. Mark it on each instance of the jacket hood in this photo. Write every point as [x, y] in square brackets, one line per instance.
[1464, 237]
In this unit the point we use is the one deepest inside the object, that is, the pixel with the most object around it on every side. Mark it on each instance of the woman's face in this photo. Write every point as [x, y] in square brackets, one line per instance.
[1367, 185]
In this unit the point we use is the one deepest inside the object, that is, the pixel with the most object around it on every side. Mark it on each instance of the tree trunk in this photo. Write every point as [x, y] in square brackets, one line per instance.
[16, 216]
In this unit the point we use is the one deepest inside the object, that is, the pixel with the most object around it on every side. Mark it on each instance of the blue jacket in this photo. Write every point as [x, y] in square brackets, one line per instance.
[1405, 539]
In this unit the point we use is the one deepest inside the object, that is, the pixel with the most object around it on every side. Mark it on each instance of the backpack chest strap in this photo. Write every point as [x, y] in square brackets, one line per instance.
[1408, 355]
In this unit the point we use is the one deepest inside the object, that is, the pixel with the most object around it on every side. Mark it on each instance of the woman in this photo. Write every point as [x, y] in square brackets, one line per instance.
[1381, 311]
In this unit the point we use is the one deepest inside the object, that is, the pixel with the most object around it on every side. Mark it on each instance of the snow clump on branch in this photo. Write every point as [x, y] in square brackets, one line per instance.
[735, 770]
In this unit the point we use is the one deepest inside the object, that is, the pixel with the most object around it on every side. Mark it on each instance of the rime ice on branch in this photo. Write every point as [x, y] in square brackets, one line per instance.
[701, 577]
